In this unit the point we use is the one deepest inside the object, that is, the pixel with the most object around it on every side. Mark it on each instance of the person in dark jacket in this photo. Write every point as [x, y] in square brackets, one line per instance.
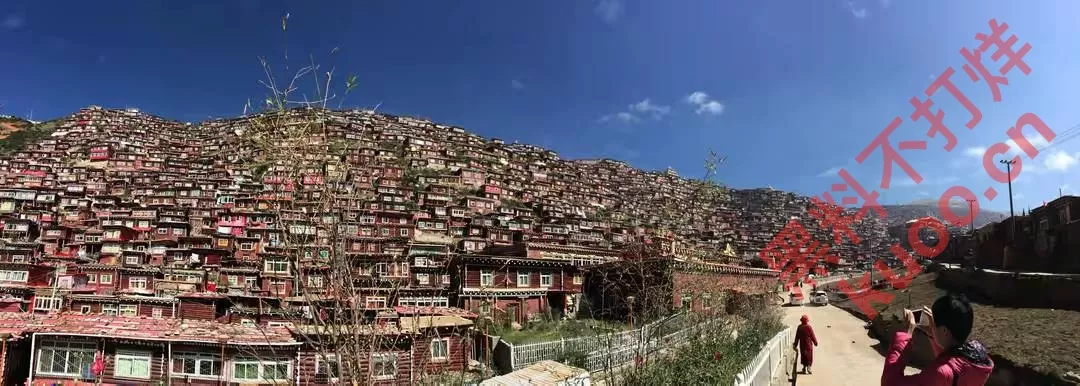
[805, 342]
[958, 362]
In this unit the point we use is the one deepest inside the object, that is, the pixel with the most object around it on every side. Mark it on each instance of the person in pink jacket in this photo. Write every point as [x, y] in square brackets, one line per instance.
[958, 362]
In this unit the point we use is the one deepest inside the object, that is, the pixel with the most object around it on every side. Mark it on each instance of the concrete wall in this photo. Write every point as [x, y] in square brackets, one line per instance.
[1024, 290]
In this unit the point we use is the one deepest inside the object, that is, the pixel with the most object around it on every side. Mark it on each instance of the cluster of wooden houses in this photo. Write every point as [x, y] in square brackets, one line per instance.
[135, 249]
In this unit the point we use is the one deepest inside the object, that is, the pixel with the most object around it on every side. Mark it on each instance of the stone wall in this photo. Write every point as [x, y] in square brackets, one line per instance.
[1023, 290]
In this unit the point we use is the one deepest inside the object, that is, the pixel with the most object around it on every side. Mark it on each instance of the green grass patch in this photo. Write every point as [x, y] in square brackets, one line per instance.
[545, 331]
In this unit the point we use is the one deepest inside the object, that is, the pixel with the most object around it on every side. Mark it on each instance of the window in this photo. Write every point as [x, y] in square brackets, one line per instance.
[247, 246]
[47, 303]
[18, 258]
[195, 365]
[384, 366]
[385, 231]
[131, 364]
[372, 302]
[276, 266]
[545, 280]
[233, 280]
[84, 309]
[578, 279]
[109, 309]
[523, 279]
[256, 370]
[105, 278]
[157, 312]
[19, 276]
[65, 359]
[137, 282]
[440, 349]
[446, 279]
[327, 366]
[163, 231]
[91, 278]
[382, 269]
[404, 232]
[686, 299]
[251, 282]
[315, 281]
[131, 260]
[129, 309]
[486, 279]
[423, 279]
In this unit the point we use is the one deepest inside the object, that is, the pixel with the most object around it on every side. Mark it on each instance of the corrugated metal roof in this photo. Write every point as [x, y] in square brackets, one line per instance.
[541, 373]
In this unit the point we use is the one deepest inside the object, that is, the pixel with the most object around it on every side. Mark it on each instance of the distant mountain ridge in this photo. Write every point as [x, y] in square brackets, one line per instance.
[902, 213]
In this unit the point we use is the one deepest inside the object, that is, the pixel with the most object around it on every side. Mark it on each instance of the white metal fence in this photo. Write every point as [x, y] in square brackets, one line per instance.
[609, 350]
[767, 364]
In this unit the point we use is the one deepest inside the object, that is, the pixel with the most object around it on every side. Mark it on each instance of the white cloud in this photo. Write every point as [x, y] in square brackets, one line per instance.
[1059, 161]
[711, 107]
[704, 104]
[609, 10]
[857, 12]
[830, 173]
[622, 117]
[976, 151]
[646, 107]
[885, 3]
[12, 22]
[923, 193]
[516, 84]
[697, 98]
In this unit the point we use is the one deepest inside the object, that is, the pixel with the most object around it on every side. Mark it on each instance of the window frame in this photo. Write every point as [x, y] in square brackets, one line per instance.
[200, 359]
[68, 348]
[261, 366]
[321, 360]
[526, 276]
[133, 355]
[136, 279]
[133, 309]
[445, 342]
[548, 276]
[375, 363]
[490, 275]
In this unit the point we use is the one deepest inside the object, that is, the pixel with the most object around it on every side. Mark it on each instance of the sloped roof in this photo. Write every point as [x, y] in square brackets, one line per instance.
[143, 328]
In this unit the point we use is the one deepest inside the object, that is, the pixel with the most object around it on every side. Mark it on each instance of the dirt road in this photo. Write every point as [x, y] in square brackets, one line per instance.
[845, 355]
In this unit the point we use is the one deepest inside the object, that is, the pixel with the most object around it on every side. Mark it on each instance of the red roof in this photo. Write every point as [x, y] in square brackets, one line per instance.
[143, 328]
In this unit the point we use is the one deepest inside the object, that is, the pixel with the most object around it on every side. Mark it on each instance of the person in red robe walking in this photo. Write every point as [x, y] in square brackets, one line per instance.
[805, 342]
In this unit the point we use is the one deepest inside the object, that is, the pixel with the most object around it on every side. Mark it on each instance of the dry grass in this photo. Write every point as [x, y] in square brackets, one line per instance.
[1044, 340]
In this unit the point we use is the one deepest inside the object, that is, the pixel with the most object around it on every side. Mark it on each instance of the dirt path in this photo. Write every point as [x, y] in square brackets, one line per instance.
[845, 355]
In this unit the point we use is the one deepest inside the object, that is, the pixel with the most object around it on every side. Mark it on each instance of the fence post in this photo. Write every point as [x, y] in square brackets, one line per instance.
[511, 347]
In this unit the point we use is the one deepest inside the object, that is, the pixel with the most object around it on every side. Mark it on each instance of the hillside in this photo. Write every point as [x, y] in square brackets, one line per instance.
[17, 133]
[536, 194]
[900, 214]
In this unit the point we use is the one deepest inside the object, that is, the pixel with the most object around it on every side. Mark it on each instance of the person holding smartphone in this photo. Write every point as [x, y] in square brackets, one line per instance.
[958, 362]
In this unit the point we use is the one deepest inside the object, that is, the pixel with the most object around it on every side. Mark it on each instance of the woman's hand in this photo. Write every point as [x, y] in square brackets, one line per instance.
[928, 327]
[910, 318]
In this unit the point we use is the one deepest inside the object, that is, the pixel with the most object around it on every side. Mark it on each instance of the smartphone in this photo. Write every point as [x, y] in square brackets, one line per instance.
[919, 318]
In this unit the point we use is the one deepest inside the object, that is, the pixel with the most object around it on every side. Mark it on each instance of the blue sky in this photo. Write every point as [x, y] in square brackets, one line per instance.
[788, 90]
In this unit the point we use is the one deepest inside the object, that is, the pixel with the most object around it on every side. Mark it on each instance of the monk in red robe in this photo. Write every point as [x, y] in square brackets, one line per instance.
[805, 342]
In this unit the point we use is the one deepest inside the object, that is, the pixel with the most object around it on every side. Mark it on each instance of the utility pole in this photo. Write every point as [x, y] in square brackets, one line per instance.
[971, 212]
[971, 237]
[1012, 226]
